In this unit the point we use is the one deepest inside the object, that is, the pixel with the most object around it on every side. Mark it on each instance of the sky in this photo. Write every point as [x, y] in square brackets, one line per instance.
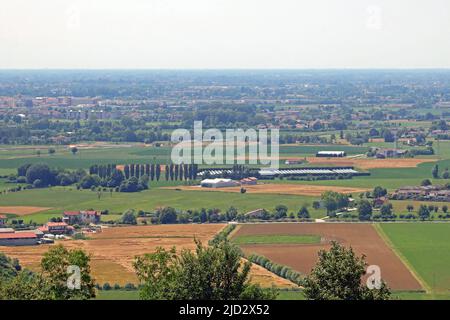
[224, 34]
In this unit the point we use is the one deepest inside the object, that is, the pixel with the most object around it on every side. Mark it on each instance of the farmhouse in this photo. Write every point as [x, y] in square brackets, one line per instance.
[389, 153]
[249, 181]
[331, 154]
[18, 239]
[218, 183]
[56, 228]
[3, 220]
[81, 217]
[430, 193]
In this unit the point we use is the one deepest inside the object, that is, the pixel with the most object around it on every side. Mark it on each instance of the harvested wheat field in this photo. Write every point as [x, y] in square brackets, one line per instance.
[363, 238]
[113, 250]
[365, 163]
[273, 188]
[22, 211]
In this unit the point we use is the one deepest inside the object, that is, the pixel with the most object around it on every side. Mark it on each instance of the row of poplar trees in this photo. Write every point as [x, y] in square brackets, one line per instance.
[153, 171]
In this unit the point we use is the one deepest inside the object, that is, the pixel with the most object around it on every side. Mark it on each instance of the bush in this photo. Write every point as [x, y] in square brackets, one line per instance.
[106, 286]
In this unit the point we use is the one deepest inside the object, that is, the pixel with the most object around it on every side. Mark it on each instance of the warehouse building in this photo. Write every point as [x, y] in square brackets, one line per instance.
[218, 183]
[18, 239]
[331, 154]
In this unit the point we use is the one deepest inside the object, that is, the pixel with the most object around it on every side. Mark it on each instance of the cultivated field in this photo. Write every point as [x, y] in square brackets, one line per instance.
[272, 188]
[113, 250]
[21, 210]
[363, 238]
[364, 163]
[426, 248]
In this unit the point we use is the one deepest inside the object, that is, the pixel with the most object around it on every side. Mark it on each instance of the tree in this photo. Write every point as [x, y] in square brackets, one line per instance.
[42, 172]
[446, 174]
[211, 273]
[280, 211]
[54, 266]
[410, 207]
[303, 213]
[316, 205]
[435, 172]
[444, 208]
[167, 216]
[386, 210]
[364, 210]
[337, 276]
[426, 182]
[129, 217]
[51, 151]
[74, 150]
[166, 172]
[157, 172]
[379, 192]
[424, 213]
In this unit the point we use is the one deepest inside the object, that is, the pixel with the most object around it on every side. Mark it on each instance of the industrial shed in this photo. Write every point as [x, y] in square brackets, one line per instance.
[18, 239]
[331, 154]
[218, 183]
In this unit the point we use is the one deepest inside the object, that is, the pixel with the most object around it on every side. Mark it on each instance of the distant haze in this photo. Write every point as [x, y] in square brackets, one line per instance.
[224, 34]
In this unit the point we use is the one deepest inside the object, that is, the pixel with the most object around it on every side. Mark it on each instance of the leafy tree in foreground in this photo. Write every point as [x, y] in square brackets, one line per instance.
[54, 267]
[337, 276]
[211, 273]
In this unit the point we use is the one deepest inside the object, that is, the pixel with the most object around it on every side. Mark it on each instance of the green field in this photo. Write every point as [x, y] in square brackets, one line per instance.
[426, 249]
[69, 198]
[276, 239]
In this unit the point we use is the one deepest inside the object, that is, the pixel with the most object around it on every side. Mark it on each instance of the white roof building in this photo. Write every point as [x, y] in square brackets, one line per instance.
[218, 183]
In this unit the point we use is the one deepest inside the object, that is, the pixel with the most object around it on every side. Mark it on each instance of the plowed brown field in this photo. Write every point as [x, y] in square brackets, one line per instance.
[363, 238]
[295, 189]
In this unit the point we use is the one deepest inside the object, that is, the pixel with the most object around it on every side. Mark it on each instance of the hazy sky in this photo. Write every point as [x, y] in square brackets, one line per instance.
[224, 33]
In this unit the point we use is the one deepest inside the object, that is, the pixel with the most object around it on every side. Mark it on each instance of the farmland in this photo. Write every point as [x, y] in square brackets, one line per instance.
[425, 247]
[113, 250]
[61, 199]
[363, 238]
[273, 188]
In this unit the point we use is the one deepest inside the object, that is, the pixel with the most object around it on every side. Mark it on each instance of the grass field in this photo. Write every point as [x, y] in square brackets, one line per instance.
[60, 199]
[425, 247]
[276, 239]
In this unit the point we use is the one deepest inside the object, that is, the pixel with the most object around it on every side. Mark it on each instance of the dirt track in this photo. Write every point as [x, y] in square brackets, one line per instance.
[294, 189]
[363, 238]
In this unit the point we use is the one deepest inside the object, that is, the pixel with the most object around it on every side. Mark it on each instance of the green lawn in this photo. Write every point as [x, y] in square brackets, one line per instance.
[276, 239]
[426, 249]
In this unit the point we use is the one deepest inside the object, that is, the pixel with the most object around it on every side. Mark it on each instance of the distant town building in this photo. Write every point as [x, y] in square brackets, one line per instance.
[330, 154]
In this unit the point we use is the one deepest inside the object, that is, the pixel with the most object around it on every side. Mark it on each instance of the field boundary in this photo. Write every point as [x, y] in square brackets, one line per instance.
[402, 258]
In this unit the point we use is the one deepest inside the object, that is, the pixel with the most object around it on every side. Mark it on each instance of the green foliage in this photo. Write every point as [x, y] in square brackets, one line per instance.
[364, 210]
[54, 267]
[211, 273]
[337, 276]
[129, 217]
